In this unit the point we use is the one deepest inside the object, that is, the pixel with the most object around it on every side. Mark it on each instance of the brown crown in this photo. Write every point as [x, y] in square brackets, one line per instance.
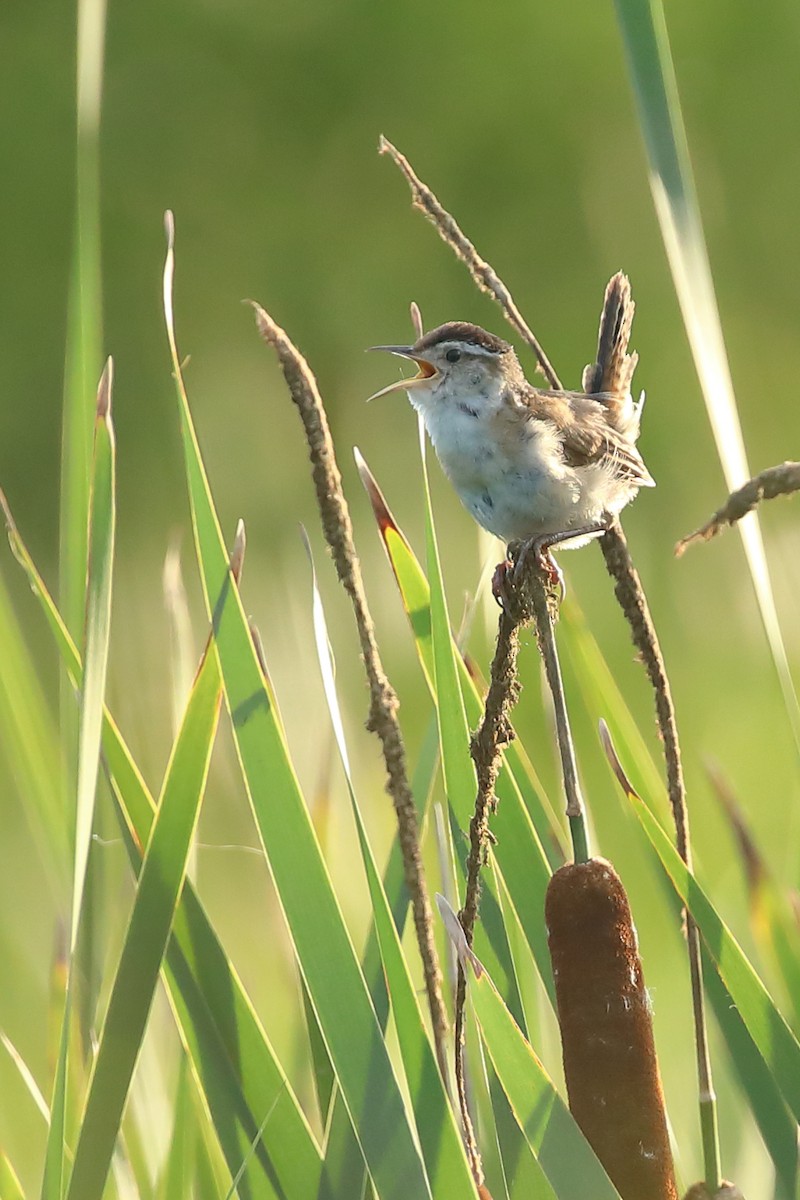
[462, 331]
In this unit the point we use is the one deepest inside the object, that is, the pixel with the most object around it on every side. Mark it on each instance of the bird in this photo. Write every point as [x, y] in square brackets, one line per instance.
[540, 467]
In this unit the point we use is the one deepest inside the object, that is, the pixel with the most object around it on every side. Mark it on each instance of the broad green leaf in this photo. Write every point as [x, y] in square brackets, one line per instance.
[160, 881]
[321, 940]
[765, 1025]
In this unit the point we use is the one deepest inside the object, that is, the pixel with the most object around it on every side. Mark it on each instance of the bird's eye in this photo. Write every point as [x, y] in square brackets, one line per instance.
[453, 355]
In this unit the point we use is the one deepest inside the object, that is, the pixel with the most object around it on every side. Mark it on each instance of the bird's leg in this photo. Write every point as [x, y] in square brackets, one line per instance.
[540, 547]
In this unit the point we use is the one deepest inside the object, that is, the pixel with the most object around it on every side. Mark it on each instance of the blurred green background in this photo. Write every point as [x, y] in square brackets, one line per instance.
[257, 123]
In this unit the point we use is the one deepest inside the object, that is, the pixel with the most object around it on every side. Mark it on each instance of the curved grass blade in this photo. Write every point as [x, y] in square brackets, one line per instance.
[675, 198]
[460, 782]
[518, 853]
[231, 1056]
[777, 1128]
[322, 943]
[565, 1159]
[769, 1031]
[442, 1148]
[159, 886]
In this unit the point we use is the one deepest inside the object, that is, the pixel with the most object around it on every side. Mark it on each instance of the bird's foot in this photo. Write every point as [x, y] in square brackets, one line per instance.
[500, 582]
[539, 549]
[509, 574]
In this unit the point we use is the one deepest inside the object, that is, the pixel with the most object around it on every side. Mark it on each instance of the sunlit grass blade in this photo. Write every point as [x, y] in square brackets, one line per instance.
[10, 1186]
[159, 885]
[460, 783]
[564, 1157]
[768, 1029]
[84, 318]
[441, 1143]
[321, 940]
[27, 1077]
[97, 629]
[519, 853]
[777, 1128]
[674, 194]
[231, 1057]
[97, 621]
[178, 1175]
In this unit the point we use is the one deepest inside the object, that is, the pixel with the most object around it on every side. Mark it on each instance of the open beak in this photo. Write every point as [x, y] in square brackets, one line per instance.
[426, 371]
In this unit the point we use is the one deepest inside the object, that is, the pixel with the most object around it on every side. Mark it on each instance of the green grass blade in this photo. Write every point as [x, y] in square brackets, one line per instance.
[97, 623]
[160, 882]
[565, 1158]
[674, 194]
[768, 1029]
[460, 782]
[177, 1179]
[442, 1148]
[27, 1077]
[231, 1056]
[322, 943]
[10, 1186]
[519, 854]
[84, 337]
[96, 635]
[777, 1128]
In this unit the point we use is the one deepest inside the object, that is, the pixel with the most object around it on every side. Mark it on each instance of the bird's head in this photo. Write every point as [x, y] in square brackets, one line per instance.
[456, 359]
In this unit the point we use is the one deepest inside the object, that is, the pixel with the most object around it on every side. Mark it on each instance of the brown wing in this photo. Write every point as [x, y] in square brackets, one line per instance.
[587, 436]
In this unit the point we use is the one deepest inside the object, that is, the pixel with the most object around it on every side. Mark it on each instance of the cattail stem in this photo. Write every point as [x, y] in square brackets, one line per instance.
[542, 601]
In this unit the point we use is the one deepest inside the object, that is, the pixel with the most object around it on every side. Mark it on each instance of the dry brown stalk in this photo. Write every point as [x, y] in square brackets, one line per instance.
[382, 719]
[483, 274]
[775, 481]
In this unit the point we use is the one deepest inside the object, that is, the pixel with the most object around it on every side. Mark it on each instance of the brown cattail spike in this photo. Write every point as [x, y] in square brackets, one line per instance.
[606, 1029]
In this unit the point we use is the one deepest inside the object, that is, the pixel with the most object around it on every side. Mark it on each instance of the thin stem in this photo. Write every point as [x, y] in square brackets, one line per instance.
[542, 601]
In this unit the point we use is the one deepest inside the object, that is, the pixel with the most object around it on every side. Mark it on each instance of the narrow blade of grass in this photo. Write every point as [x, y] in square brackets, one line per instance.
[97, 623]
[10, 1186]
[160, 882]
[442, 1148]
[767, 1028]
[518, 854]
[96, 635]
[322, 943]
[777, 1128]
[644, 31]
[564, 1157]
[84, 316]
[231, 1057]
